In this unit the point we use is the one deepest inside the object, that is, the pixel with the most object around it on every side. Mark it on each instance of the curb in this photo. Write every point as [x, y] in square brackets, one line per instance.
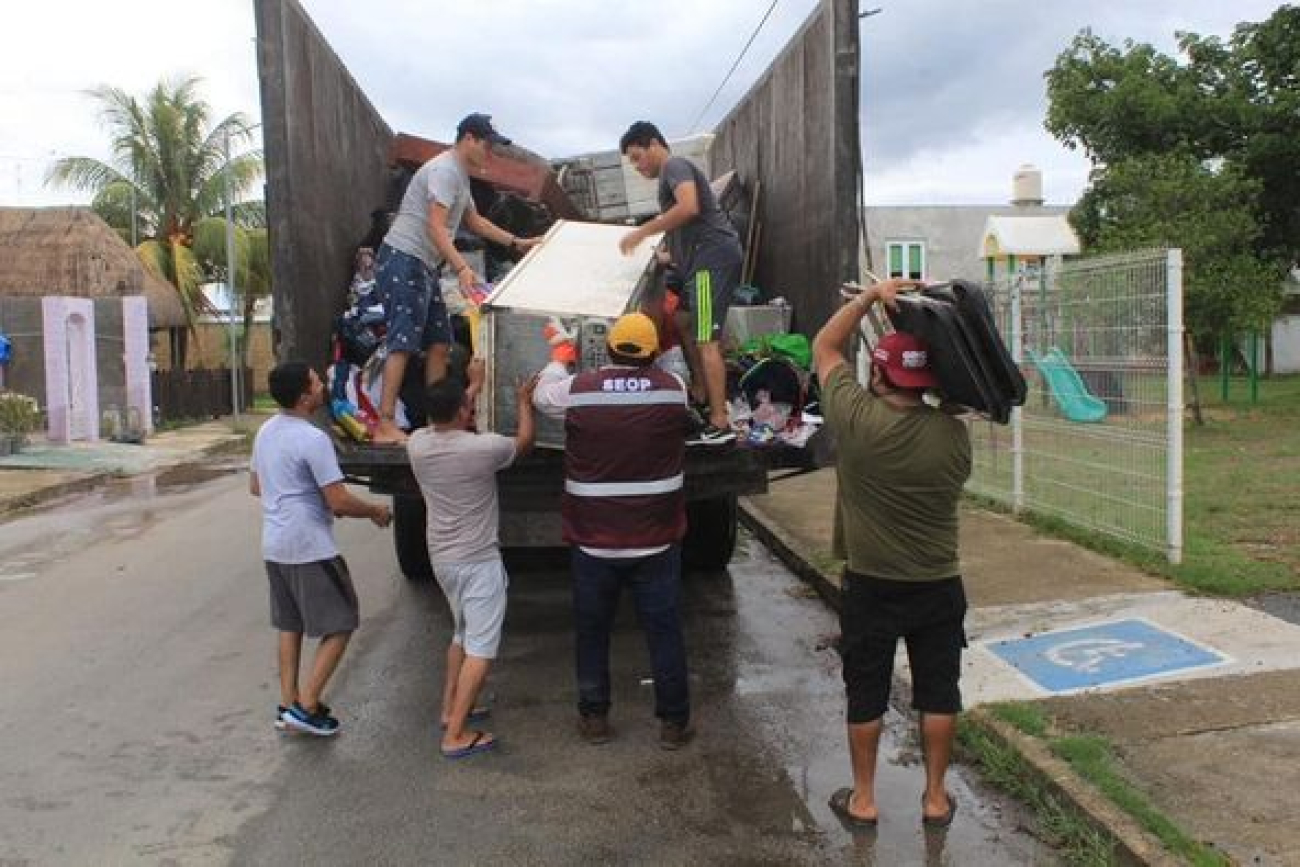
[790, 552]
[38, 496]
[1134, 844]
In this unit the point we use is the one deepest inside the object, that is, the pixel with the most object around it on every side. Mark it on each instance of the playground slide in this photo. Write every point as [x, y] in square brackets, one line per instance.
[1068, 390]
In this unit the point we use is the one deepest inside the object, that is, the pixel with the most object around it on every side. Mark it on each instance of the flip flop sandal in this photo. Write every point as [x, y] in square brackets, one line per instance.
[938, 822]
[839, 804]
[478, 745]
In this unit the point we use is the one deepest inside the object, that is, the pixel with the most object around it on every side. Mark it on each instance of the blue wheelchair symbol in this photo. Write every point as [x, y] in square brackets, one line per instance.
[1124, 650]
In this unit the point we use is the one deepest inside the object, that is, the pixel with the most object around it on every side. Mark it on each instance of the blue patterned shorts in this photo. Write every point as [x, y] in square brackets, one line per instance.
[412, 298]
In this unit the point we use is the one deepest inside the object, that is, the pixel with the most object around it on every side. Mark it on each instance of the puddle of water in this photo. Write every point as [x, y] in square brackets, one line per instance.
[121, 509]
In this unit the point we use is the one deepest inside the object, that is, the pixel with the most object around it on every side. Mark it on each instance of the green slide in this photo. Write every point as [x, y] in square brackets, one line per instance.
[1068, 390]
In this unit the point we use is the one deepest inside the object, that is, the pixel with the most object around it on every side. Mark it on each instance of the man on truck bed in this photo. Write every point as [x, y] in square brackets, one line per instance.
[704, 249]
[418, 244]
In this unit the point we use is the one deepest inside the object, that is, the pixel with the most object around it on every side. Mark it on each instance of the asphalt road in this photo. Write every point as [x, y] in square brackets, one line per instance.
[138, 684]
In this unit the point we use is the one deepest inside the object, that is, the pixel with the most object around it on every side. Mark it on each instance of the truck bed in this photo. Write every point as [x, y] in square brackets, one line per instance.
[534, 483]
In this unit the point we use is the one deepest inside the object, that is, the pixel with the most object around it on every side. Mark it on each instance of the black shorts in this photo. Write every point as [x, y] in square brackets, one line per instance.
[928, 616]
[706, 294]
[316, 599]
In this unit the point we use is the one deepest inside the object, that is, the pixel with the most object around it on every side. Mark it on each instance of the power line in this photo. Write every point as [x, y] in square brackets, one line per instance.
[731, 71]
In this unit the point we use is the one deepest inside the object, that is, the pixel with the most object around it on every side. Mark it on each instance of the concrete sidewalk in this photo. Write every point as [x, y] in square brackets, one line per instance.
[1204, 703]
[45, 471]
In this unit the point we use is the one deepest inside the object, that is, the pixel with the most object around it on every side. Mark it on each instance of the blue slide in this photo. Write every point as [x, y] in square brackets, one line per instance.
[1068, 390]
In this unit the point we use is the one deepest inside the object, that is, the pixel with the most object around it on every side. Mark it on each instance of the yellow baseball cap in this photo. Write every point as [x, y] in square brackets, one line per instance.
[634, 336]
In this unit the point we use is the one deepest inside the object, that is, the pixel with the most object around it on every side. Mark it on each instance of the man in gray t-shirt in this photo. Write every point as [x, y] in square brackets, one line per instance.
[456, 469]
[705, 250]
[418, 245]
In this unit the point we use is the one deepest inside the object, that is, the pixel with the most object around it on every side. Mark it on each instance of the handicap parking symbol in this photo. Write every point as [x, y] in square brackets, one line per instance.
[1105, 654]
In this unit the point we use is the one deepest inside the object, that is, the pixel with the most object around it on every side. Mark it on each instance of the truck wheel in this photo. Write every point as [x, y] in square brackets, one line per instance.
[710, 534]
[409, 539]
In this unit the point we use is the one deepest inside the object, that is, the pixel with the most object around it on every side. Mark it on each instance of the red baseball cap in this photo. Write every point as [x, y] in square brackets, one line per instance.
[906, 361]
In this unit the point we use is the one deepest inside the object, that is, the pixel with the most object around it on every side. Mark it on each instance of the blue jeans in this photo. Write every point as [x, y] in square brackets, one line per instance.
[655, 581]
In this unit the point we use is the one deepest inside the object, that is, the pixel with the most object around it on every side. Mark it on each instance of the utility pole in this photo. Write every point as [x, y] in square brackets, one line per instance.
[236, 374]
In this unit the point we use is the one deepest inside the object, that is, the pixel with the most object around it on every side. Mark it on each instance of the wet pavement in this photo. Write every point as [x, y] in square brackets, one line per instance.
[134, 636]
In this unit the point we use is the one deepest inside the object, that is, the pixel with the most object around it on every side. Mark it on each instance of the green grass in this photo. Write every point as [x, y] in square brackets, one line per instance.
[1242, 490]
[1093, 759]
[1241, 506]
[1071, 834]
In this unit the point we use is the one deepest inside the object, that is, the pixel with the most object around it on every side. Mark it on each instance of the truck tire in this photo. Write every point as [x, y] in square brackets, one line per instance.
[409, 539]
[710, 534]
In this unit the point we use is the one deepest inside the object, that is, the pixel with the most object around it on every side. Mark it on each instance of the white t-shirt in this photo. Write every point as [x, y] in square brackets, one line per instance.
[294, 460]
[441, 180]
[457, 471]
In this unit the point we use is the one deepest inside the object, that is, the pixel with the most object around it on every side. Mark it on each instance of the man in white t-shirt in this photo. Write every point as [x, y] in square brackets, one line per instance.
[296, 474]
[457, 468]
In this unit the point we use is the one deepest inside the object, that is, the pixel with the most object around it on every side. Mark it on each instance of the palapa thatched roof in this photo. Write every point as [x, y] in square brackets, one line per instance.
[71, 251]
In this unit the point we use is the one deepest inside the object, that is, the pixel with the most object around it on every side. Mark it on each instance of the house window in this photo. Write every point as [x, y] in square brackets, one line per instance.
[907, 259]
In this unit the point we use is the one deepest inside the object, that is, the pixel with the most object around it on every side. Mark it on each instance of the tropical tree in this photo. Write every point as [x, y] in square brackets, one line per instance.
[168, 179]
[1200, 151]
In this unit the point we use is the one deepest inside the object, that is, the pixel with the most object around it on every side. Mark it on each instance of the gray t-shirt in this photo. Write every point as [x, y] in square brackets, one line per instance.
[442, 180]
[709, 240]
[457, 471]
[294, 460]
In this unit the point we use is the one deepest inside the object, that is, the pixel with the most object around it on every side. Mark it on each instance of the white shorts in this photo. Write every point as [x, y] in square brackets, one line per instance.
[476, 593]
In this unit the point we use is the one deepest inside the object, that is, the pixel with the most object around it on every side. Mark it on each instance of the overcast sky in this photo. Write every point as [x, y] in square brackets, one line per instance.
[953, 93]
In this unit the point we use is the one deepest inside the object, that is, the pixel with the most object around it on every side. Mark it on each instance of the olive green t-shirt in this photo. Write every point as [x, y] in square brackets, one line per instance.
[900, 475]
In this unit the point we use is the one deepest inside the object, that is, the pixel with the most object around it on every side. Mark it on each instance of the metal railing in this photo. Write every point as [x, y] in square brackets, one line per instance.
[1098, 443]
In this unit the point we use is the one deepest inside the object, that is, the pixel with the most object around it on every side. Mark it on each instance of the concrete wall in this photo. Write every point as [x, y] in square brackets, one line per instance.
[326, 151]
[21, 322]
[951, 234]
[796, 132]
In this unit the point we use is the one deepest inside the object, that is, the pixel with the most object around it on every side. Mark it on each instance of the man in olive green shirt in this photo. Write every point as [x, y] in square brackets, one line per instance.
[901, 466]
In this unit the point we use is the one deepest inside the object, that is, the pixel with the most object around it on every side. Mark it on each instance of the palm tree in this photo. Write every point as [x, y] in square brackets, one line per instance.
[167, 181]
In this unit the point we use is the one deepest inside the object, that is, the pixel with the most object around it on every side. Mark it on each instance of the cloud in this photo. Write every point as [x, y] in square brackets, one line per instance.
[953, 95]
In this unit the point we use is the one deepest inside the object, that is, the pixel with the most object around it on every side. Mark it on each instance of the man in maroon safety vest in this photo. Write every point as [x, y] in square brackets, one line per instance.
[624, 513]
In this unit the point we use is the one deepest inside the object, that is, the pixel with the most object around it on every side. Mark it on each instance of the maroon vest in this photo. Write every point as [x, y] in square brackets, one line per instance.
[625, 444]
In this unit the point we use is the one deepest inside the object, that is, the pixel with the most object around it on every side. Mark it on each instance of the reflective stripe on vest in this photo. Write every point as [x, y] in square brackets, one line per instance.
[626, 398]
[623, 489]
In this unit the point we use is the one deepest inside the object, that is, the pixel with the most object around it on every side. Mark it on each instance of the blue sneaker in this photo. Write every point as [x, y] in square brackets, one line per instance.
[299, 719]
[281, 725]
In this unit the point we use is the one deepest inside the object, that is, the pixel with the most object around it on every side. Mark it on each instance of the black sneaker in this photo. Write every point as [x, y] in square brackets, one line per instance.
[299, 719]
[712, 435]
[282, 726]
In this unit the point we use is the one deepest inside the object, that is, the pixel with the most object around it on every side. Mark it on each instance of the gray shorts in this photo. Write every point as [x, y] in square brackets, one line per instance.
[476, 593]
[316, 599]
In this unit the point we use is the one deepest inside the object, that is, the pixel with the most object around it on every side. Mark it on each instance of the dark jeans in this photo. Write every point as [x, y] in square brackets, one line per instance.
[655, 581]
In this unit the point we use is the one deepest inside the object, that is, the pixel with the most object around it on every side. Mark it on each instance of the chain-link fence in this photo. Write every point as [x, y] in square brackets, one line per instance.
[1098, 442]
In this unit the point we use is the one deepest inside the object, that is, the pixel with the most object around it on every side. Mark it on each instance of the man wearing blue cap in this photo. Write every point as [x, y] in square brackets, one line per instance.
[420, 242]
